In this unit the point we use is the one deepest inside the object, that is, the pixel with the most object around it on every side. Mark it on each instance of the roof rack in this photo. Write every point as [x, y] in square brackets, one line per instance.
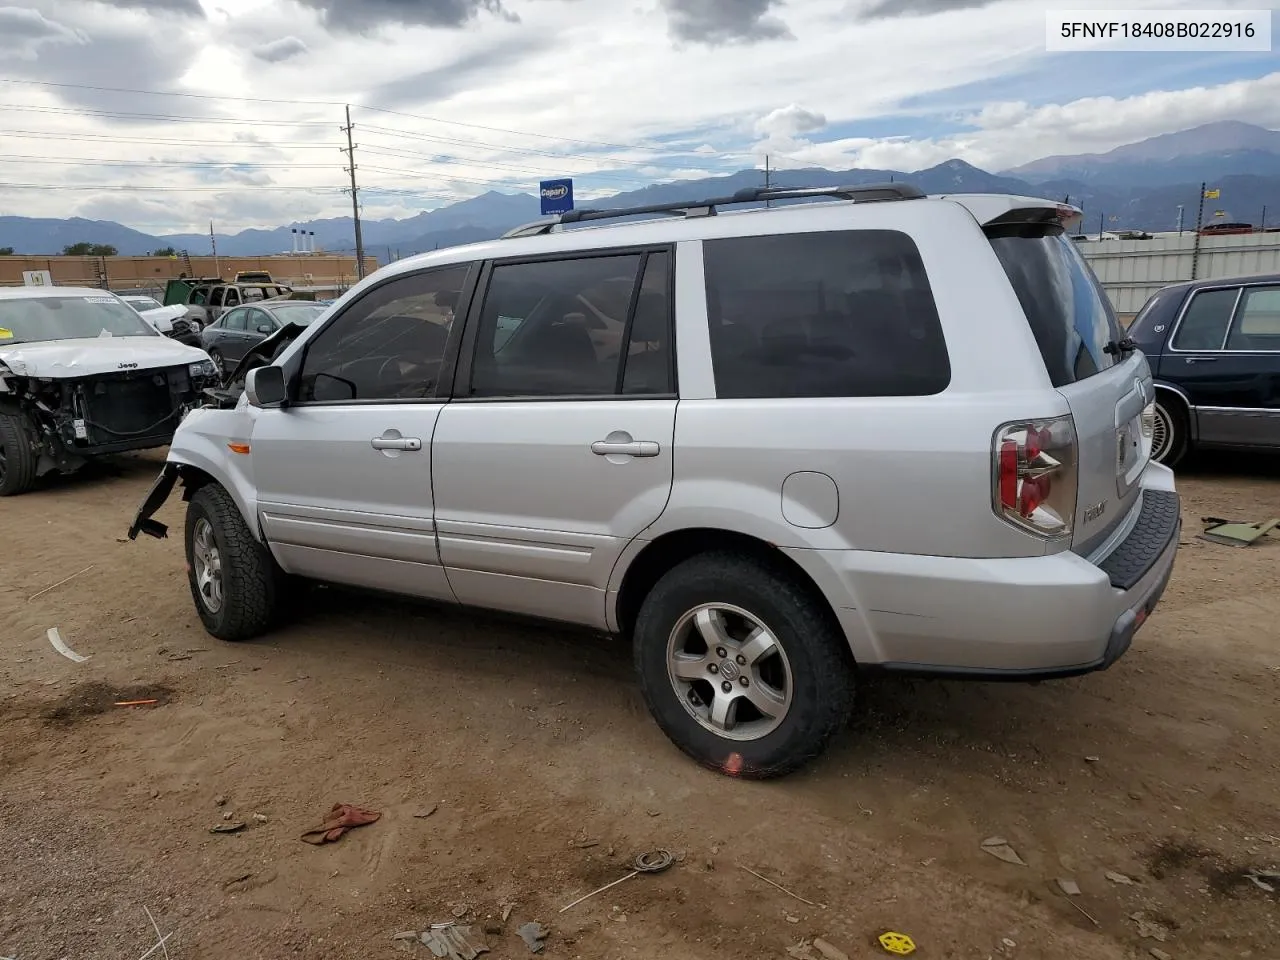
[867, 193]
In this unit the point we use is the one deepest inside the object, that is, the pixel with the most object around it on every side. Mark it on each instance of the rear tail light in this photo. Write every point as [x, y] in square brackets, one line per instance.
[1034, 486]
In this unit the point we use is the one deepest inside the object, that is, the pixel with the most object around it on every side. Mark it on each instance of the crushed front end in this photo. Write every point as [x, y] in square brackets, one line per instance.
[72, 419]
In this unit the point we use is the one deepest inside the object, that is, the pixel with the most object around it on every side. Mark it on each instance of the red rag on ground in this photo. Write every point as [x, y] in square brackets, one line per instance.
[339, 820]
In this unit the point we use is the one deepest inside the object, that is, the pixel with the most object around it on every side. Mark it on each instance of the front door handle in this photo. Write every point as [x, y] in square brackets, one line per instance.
[625, 448]
[411, 444]
[1202, 359]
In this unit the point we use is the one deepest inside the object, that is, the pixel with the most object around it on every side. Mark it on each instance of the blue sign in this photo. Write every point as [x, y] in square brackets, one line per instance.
[557, 196]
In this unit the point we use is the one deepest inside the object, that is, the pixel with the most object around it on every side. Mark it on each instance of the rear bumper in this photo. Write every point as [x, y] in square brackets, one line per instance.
[1028, 618]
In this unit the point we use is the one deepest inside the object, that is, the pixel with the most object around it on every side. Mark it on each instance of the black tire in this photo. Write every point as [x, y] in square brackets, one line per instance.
[216, 356]
[251, 583]
[1173, 413]
[821, 674]
[18, 457]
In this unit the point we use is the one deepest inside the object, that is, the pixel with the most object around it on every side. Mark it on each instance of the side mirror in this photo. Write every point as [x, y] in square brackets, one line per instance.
[264, 386]
[266, 328]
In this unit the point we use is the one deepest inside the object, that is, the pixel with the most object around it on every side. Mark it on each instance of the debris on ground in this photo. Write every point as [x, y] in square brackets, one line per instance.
[506, 911]
[1069, 887]
[228, 815]
[425, 812]
[534, 934]
[220, 801]
[1119, 878]
[227, 828]
[340, 818]
[55, 638]
[1159, 954]
[779, 886]
[655, 861]
[1264, 879]
[259, 818]
[898, 944]
[1149, 929]
[828, 951]
[802, 951]
[999, 848]
[446, 940]
[1237, 534]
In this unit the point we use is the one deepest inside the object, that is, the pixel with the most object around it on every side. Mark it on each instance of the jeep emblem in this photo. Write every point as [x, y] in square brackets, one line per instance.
[127, 366]
[1093, 513]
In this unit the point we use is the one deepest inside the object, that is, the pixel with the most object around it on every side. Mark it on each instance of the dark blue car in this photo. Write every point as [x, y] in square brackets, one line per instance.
[1214, 349]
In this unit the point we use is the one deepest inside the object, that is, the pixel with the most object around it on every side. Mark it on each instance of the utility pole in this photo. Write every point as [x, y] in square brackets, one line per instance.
[1101, 219]
[1180, 219]
[1262, 224]
[213, 243]
[768, 180]
[350, 151]
[1195, 250]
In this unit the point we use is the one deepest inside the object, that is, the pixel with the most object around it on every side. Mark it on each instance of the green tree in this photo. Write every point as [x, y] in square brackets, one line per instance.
[6, 251]
[89, 250]
[164, 252]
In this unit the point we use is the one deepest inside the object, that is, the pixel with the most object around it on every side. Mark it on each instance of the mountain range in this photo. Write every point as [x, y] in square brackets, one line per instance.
[1138, 186]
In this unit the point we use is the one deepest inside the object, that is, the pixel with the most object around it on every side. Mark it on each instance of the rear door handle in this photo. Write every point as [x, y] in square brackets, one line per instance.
[1202, 359]
[396, 443]
[631, 448]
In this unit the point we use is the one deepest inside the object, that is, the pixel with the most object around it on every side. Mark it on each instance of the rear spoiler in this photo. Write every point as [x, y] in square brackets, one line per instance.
[993, 209]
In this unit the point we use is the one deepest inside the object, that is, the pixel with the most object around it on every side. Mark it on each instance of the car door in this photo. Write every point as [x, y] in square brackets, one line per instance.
[1225, 355]
[552, 455]
[232, 339]
[344, 470]
[260, 326]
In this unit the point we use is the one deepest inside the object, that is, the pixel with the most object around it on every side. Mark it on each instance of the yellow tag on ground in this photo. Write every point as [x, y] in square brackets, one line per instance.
[898, 943]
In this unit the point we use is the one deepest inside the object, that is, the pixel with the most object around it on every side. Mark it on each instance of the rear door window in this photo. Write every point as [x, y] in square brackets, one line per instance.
[1068, 311]
[1205, 322]
[1257, 326]
[835, 314]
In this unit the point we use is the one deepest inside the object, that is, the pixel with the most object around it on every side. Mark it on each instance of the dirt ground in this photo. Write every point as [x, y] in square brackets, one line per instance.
[547, 777]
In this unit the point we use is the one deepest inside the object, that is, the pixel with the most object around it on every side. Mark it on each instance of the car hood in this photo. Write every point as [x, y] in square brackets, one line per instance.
[165, 313]
[65, 359]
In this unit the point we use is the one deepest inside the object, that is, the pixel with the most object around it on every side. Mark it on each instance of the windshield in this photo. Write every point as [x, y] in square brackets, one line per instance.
[69, 318]
[1070, 315]
[301, 313]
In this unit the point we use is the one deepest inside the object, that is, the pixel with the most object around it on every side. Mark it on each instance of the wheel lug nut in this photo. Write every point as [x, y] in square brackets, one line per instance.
[713, 668]
[742, 661]
[721, 652]
[744, 681]
[726, 686]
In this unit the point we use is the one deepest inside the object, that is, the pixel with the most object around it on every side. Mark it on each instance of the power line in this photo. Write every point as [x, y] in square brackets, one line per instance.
[135, 188]
[466, 161]
[108, 138]
[102, 161]
[164, 117]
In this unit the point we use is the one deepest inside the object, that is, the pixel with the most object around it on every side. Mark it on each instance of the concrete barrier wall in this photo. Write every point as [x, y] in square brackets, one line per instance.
[123, 273]
[1132, 270]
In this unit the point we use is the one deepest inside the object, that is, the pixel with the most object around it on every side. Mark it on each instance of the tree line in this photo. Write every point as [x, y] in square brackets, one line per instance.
[96, 250]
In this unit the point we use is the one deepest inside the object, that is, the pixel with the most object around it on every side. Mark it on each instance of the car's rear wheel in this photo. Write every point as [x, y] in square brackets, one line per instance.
[234, 580]
[216, 356]
[17, 457]
[1170, 432]
[741, 665]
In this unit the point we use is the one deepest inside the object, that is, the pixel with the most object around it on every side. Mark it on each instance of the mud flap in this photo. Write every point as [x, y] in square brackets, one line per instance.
[155, 499]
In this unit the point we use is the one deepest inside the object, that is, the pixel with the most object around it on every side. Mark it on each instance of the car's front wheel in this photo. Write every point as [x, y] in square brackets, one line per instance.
[234, 580]
[216, 356]
[17, 457]
[741, 666]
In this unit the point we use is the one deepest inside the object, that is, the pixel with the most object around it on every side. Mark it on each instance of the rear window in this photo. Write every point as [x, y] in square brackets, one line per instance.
[1068, 311]
[837, 314]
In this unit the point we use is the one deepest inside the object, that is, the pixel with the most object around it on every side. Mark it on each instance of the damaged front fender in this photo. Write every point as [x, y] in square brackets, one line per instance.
[154, 500]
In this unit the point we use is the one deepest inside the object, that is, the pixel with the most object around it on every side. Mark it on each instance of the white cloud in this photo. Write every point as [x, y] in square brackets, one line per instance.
[603, 80]
[23, 32]
[285, 48]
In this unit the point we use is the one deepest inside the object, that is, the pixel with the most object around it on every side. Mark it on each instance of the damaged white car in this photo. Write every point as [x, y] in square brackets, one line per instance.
[82, 374]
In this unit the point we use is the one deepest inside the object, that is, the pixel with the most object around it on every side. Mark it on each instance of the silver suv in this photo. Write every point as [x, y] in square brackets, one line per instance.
[780, 449]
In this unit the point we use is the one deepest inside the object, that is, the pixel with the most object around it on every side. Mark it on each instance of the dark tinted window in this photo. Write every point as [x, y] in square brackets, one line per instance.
[1204, 325]
[557, 328]
[1069, 313]
[841, 314]
[389, 344]
[235, 320]
[258, 319]
[1257, 325]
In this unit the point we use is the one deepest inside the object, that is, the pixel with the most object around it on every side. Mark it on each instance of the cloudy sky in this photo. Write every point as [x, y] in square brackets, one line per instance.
[451, 98]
